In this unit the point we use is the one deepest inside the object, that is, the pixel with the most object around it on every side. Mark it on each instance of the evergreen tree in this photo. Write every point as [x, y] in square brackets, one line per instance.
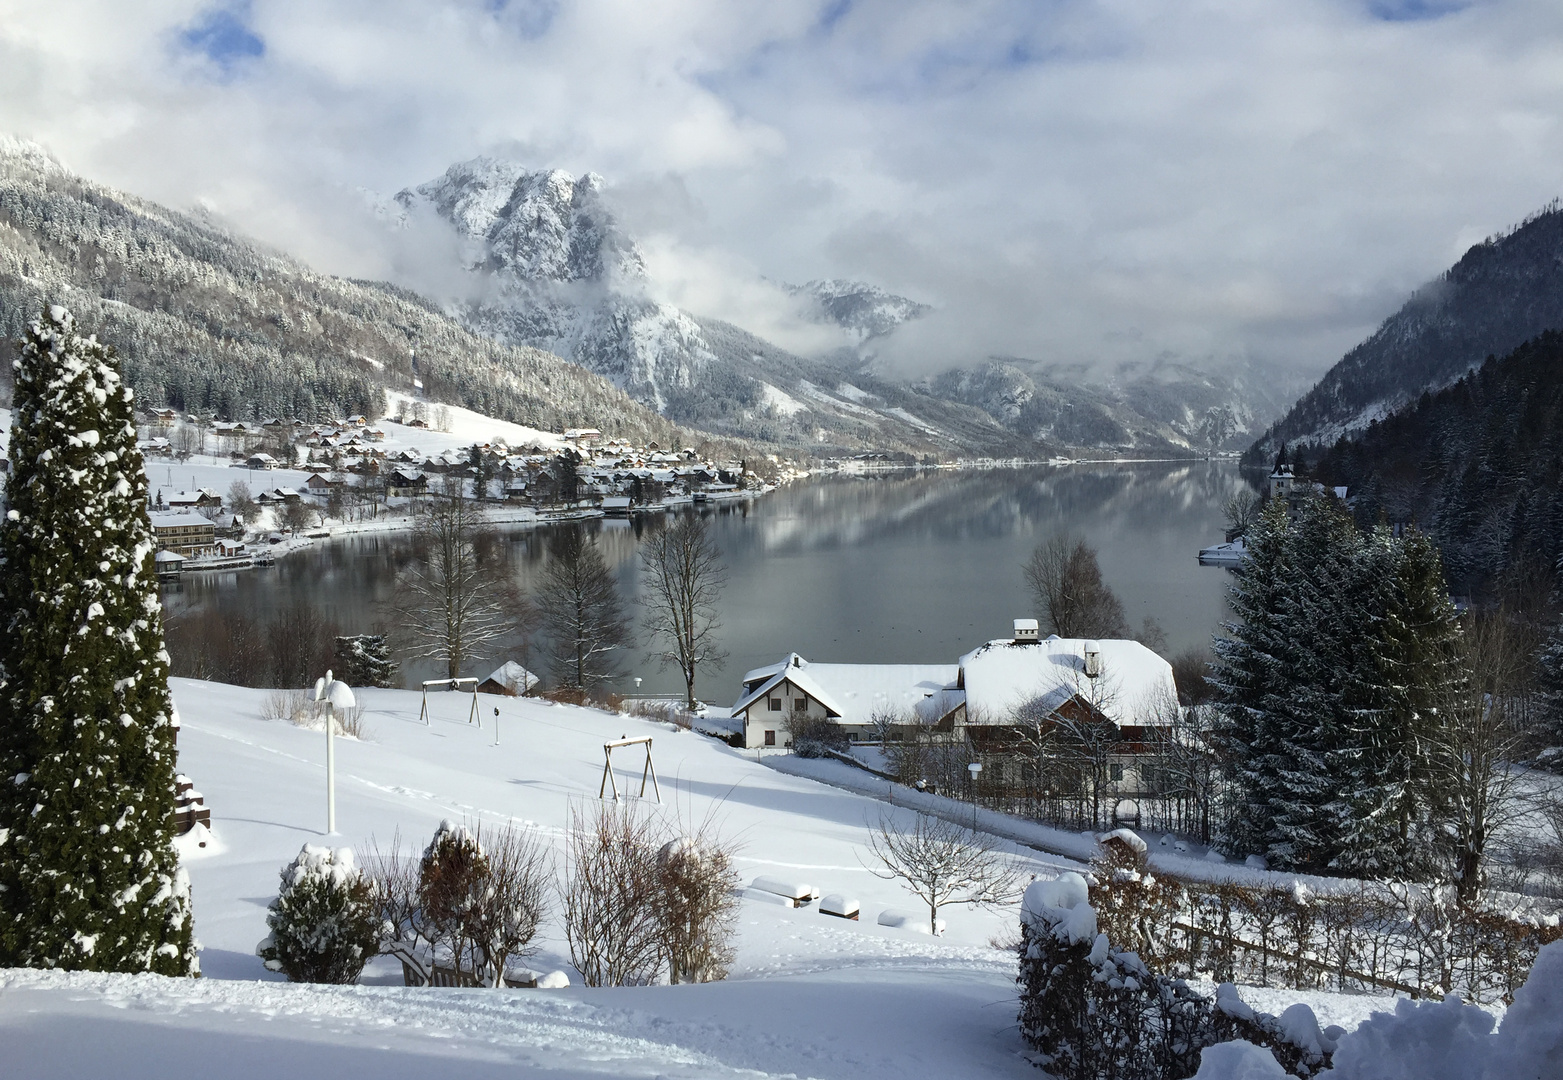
[365, 660]
[1256, 664]
[89, 878]
[1393, 804]
[1328, 684]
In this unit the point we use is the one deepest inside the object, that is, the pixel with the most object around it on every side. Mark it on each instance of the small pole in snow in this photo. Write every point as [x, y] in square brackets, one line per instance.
[496, 726]
[330, 769]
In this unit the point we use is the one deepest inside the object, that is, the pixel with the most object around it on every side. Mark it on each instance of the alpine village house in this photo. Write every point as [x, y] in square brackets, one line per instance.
[997, 699]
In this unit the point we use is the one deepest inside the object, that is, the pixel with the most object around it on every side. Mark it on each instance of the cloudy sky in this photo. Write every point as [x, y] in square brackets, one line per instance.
[1085, 182]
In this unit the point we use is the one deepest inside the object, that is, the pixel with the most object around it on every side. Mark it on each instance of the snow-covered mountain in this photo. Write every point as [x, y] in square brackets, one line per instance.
[867, 311]
[206, 321]
[553, 268]
[1504, 291]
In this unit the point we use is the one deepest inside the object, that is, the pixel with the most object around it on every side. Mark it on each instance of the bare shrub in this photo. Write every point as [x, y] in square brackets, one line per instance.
[668, 712]
[612, 887]
[294, 706]
[350, 722]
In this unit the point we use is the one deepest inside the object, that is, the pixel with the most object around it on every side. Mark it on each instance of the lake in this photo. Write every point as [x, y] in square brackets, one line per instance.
[894, 567]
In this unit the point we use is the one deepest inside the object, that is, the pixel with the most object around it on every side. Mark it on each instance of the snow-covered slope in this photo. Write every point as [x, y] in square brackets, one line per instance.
[810, 995]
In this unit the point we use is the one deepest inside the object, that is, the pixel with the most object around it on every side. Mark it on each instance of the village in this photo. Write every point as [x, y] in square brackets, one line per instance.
[261, 489]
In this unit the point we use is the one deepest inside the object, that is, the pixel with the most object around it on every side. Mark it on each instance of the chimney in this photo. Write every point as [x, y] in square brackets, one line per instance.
[1093, 659]
[1026, 632]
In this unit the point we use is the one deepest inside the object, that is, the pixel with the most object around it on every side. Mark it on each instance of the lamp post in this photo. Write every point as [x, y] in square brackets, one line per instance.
[496, 725]
[336, 695]
[974, 768]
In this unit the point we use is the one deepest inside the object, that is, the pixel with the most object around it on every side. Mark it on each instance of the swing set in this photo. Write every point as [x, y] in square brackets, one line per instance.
[450, 684]
[650, 770]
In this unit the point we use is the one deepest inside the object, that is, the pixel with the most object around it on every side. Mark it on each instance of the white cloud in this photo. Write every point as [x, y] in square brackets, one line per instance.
[1097, 182]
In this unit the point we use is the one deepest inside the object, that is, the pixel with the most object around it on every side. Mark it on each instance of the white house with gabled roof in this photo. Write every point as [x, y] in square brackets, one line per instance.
[847, 694]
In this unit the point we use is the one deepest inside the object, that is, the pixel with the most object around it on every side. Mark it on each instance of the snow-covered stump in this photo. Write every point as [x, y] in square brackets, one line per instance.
[1090, 1012]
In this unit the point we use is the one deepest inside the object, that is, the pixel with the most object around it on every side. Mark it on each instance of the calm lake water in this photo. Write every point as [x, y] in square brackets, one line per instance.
[904, 567]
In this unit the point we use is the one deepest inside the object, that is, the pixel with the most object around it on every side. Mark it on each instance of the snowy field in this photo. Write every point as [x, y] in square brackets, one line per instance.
[810, 996]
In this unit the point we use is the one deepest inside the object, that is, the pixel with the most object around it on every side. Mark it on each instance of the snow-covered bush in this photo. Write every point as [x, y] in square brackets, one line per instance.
[1093, 1013]
[324, 923]
[814, 736]
[699, 908]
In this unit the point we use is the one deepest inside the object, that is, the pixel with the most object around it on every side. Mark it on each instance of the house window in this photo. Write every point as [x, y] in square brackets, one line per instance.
[800, 705]
[774, 703]
[1116, 770]
[770, 738]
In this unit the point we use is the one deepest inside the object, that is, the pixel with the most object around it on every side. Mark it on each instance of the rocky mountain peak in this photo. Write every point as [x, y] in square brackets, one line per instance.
[535, 226]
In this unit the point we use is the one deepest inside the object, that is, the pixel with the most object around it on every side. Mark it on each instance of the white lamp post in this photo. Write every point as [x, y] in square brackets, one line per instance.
[974, 768]
[336, 695]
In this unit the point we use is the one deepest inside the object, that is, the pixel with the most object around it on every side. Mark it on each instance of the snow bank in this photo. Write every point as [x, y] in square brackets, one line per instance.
[1442, 1040]
[1238, 1061]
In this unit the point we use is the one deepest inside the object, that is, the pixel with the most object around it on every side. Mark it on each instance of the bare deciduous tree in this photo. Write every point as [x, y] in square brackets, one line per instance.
[451, 601]
[683, 577]
[582, 615]
[943, 864]
[1476, 739]
[1067, 583]
[1241, 509]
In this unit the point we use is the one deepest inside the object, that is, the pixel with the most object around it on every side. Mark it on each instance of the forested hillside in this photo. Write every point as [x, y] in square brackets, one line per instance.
[1479, 465]
[207, 321]
[1504, 291]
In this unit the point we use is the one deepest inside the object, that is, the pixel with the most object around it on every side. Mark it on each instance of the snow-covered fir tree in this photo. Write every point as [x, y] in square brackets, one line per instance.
[1393, 805]
[1327, 678]
[89, 878]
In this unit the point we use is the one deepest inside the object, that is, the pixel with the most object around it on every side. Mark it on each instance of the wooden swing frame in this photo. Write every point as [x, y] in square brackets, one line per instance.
[608, 778]
[450, 684]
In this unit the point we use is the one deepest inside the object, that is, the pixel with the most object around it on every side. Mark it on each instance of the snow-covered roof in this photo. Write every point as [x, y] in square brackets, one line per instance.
[514, 676]
[851, 692]
[1004, 674]
[176, 521]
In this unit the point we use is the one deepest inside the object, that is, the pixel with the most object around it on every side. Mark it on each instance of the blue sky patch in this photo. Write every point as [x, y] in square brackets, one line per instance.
[1415, 10]
[220, 34]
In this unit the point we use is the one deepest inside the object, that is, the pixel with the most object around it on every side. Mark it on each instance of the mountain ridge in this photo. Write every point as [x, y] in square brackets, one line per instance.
[1502, 292]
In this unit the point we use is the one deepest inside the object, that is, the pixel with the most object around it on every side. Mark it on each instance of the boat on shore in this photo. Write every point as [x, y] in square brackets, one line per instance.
[1231, 554]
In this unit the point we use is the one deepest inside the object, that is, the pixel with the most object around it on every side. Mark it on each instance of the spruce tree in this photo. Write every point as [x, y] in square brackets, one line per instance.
[89, 877]
[1254, 670]
[1393, 808]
